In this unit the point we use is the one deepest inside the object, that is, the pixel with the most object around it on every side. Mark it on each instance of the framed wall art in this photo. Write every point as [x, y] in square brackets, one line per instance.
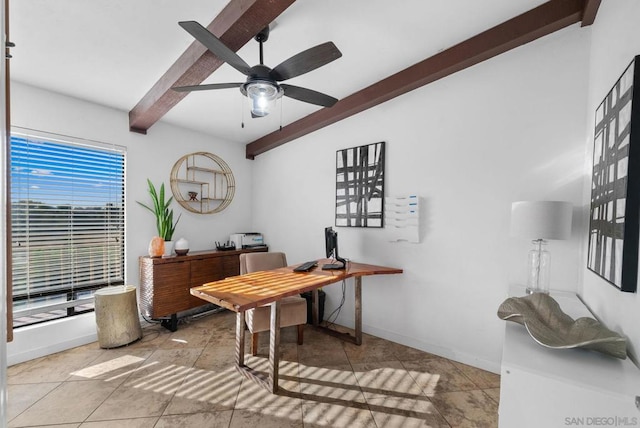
[615, 189]
[360, 186]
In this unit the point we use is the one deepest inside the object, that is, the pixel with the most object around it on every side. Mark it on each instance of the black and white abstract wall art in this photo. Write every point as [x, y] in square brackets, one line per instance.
[615, 189]
[360, 186]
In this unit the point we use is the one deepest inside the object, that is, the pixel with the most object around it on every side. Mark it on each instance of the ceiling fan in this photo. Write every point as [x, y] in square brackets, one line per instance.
[262, 86]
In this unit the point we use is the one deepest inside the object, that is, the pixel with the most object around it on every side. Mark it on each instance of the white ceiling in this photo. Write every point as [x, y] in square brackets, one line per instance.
[111, 52]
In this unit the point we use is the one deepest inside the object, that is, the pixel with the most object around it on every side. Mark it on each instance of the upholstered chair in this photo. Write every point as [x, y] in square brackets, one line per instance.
[293, 309]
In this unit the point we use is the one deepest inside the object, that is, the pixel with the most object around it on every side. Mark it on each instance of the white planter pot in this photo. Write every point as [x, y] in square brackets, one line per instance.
[168, 248]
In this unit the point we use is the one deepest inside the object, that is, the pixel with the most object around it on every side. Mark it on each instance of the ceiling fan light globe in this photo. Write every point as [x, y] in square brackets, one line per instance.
[263, 96]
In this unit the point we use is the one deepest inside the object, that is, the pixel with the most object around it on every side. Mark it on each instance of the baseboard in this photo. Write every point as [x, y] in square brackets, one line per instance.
[40, 340]
[451, 354]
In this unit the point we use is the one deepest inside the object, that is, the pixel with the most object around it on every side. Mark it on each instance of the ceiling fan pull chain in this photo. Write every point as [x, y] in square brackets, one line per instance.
[281, 102]
[242, 110]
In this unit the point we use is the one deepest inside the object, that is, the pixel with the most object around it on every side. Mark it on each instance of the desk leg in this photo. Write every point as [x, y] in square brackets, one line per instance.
[240, 327]
[357, 337]
[248, 372]
[274, 346]
[315, 313]
[358, 308]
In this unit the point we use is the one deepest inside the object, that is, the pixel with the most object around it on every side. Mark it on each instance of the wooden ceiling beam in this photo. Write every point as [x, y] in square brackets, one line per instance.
[590, 11]
[236, 25]
[538, 22]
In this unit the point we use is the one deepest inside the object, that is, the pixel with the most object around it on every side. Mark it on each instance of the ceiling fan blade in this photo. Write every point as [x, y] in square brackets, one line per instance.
[206, 87]
[306, 61]
[215, 45]
[308, 95]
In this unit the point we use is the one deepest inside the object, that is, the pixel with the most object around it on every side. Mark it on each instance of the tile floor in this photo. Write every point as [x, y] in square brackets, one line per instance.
[187, 379]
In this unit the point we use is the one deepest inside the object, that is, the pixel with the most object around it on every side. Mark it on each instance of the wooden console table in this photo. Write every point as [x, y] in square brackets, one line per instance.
[241, 293]
[165, 281]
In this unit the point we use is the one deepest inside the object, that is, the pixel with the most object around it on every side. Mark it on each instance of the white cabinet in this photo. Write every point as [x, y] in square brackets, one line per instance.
[542, 387]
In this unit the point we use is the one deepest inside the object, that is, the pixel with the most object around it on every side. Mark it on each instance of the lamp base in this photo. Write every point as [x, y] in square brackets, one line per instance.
[538, 268]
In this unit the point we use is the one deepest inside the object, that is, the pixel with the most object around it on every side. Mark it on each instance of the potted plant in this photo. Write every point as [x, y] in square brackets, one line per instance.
[162, 212]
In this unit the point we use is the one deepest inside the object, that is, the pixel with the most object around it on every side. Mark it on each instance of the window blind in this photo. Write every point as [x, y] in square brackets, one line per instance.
[67, 224]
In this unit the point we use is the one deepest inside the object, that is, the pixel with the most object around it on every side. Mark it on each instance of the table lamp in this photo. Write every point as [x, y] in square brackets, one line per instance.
[540, 220]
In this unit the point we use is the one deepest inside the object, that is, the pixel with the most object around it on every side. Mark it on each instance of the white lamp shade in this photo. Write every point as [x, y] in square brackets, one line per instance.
[541, 219]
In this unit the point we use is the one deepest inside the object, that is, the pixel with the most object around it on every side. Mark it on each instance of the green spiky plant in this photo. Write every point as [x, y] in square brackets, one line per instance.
[162, 212]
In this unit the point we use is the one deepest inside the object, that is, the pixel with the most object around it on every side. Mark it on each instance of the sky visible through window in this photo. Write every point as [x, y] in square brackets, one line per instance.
[59, 174]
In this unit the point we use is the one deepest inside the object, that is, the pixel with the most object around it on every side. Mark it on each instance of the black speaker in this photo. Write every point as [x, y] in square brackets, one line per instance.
[321, 297]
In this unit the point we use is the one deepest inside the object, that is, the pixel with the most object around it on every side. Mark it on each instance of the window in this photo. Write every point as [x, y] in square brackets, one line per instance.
[67, 224]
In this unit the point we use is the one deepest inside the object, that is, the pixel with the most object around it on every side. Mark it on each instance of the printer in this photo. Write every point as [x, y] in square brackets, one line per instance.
[247, 240]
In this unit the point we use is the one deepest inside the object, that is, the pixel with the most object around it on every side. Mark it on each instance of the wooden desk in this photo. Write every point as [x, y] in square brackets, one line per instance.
[244, 292]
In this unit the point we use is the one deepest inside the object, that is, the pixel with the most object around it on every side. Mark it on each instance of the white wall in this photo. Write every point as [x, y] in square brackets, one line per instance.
[615, 41]
[148, 156]
[509, 129]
